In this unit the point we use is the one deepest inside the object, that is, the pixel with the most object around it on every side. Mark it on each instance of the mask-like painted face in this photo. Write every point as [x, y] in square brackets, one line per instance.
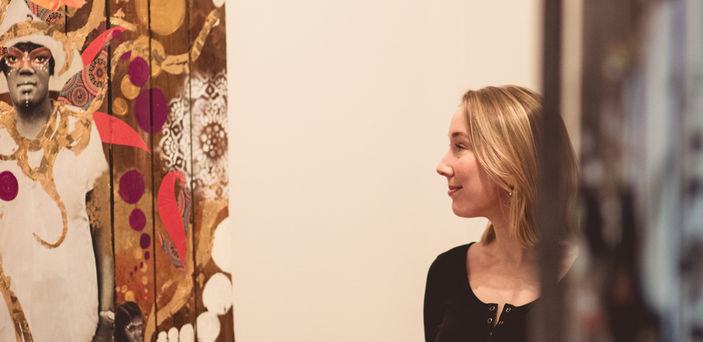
[28, 75]
[135, 330]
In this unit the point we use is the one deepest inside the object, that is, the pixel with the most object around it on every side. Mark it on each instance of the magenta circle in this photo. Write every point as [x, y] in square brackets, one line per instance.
[8, 186]
[145, 241]
[131, 186]
[151, 120]
[126, 55]
[146, 255]
[137, 219]
[138, 71]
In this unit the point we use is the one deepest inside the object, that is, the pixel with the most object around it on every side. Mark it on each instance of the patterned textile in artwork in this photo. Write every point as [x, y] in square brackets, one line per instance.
[209, 124]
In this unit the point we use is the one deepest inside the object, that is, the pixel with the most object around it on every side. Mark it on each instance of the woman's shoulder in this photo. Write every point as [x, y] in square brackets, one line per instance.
[451, 258]
[456, 251]
[447, 274]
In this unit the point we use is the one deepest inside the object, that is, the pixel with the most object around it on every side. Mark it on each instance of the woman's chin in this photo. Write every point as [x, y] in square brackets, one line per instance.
[462, 212]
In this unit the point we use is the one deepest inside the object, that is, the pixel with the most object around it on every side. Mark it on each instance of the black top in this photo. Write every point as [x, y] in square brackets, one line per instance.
[454, 313]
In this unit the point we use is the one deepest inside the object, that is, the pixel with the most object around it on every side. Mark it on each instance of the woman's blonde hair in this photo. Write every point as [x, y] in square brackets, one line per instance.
[503, 127]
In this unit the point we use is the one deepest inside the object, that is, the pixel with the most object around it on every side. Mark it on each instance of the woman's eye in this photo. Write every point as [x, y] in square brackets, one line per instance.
[10, 59]
[458, 147]
[40, 60]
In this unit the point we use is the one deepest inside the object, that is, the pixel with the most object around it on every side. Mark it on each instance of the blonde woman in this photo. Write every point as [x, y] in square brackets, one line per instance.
[485, 290]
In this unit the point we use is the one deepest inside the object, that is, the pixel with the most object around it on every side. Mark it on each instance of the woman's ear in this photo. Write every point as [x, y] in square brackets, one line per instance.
[509, 183]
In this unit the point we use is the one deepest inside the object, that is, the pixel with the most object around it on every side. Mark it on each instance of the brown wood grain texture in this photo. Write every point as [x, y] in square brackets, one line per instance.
[100, 203]
[210, 206]
[177, 39]
[134, 272]
[175, 300]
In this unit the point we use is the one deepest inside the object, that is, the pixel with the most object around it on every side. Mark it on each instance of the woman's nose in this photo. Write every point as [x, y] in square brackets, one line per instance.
[443, 168]
[26, 70]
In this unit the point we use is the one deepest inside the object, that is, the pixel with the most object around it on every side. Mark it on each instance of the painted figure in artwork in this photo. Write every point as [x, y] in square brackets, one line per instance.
[57, 266]
[129, 323]
[50, 158]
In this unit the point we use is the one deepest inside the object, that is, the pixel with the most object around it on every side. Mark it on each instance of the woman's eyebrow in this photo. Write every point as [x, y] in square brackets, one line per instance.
[458, 134]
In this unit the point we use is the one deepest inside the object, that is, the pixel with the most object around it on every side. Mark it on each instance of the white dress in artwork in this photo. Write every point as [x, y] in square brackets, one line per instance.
[56, 287]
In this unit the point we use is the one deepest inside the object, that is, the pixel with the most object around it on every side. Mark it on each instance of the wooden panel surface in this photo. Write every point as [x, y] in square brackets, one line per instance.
[133, 236]
[175, 300]
[158, 217]
[209, 115]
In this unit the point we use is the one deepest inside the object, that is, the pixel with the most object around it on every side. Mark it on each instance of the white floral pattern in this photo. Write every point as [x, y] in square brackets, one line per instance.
[175, 140]
[207, 125]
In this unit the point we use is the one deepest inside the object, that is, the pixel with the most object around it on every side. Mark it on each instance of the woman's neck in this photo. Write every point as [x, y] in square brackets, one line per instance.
[507, 248]
[31, 121]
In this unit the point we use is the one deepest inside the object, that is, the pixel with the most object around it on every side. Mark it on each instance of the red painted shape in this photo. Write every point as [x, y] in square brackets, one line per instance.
[115, 131]
[169, 213]
[98, 43]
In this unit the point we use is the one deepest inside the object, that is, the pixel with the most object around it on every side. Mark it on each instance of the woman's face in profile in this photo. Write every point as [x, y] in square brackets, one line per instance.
[473, 193]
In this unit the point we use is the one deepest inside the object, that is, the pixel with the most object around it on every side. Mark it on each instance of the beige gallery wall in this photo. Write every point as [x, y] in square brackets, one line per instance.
[339, 112]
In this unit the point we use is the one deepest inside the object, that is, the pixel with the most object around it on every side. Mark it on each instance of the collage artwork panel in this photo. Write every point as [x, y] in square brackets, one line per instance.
[113, 171]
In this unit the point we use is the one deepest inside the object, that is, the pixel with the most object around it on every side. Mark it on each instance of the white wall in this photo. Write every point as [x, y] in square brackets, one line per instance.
[339, 112]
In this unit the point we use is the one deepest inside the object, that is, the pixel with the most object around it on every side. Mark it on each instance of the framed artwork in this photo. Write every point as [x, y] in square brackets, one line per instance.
[113, 171]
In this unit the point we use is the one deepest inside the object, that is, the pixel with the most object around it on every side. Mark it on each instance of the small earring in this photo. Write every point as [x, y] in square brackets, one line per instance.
[510, 193]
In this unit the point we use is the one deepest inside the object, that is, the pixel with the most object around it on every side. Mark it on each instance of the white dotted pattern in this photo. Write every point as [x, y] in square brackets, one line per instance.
[187, 333]
[162, 337]
[222, 246]
[208, 326]
[173, 335]
[217, 295]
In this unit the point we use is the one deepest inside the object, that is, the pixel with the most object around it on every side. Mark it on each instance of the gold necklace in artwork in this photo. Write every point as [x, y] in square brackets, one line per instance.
[22, 331]
[54, 138]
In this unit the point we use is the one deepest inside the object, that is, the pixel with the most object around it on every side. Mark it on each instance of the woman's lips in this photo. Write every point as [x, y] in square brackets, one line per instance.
[453, 190]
